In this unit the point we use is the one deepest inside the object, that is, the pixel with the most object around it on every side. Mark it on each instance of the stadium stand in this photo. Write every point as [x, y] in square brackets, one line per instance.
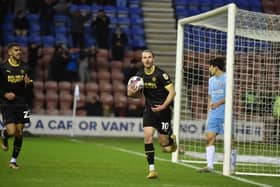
[107, 75]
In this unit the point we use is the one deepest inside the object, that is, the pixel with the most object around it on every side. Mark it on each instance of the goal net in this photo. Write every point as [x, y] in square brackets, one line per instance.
[250, 42]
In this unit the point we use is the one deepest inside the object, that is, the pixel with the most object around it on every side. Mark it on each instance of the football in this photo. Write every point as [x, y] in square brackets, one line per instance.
[137, 83]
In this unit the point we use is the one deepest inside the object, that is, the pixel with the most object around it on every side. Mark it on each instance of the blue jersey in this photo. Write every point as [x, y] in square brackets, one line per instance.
[217, 91]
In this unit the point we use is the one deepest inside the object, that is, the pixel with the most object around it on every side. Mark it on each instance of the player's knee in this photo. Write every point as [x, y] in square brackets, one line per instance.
[210, 141]
[163, 142]
[148, 139]
[18, 134]
[11, 133]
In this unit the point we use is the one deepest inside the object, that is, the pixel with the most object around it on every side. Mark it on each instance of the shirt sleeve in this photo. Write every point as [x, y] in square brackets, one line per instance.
[164, 79]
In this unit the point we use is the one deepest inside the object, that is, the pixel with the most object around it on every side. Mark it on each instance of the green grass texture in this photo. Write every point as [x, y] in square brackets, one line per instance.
[49, 161]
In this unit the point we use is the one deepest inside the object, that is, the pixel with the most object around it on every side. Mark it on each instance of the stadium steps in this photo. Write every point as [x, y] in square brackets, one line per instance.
[160, 30]
[155, 33]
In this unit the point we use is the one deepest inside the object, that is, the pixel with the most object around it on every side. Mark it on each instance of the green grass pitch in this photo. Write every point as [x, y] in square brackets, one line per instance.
[93, 162]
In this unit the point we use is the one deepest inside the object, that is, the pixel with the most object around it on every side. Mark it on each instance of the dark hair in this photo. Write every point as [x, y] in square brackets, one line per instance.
[219, 62]
[10, 45]
[148, 51]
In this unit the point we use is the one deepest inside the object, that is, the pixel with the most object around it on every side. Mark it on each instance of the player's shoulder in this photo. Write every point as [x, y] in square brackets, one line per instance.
[161, 72]
[24, 64]
[211, 78]
[3, 64]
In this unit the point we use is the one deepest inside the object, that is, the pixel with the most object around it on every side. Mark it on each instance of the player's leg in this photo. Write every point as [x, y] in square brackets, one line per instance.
[8, 116]
[149, 124]
[210, 152]
[214, 127]
[9, 131]
[22, 117]
[17, 146]
[168, 143]
[210, 149]
[167, 139]
[150, 151]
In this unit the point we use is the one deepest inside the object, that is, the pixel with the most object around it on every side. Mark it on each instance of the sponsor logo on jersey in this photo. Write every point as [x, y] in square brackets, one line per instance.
[165, 76]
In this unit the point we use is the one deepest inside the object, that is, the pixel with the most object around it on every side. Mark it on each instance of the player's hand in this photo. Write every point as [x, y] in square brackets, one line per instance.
[26, 79]
[132, 89]
[157, 108]
[10, 96]
[215, 105]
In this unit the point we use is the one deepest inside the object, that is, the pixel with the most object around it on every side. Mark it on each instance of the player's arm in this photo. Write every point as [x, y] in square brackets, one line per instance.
[168, 100]
[3, 94]
[217, 104]
[209, 104]
[132, 91]
[171, 94]
[28, 82]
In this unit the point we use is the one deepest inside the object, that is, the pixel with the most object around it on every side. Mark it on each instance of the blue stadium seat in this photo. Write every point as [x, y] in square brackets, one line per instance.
[34, 28]
[34, 39]
[136, 20]
[218, 3]
[22, 40]
[60, 29]
[193, 12]
[205, 5]
[110, 11]
[113, 22]
[8, 37]
[243, 4]
[228, 1]
[255, 5]
[134, 3]
[122, 12]
[138, 44]
[70, 41]
[88, 30]
[84, 8]
[193, 4]
[33, 18]
[8, 27]
[136, 26]
[124, 21]
[127, 31]
[89, 42]
[61, 39]
[8, 18]
[73, 8]
[135, 10]
[61, 20]
[48, 41]
[95, 8]
[180, 3]
[138, 31]
[181, 13]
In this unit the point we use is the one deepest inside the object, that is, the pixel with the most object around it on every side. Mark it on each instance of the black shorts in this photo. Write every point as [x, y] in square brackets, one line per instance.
[18, 113]
[159, 120]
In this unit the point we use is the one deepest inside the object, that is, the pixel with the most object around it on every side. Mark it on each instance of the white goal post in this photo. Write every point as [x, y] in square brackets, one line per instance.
[250, 42]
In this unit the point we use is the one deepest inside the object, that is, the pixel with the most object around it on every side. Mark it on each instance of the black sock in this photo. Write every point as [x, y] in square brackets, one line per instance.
[17, 146]
[150, 152]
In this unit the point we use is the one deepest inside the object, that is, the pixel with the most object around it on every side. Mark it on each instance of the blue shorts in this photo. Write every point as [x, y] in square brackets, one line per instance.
[215, 125]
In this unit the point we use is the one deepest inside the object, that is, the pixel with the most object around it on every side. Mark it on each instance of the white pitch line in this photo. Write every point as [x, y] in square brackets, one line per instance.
[186, 165]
